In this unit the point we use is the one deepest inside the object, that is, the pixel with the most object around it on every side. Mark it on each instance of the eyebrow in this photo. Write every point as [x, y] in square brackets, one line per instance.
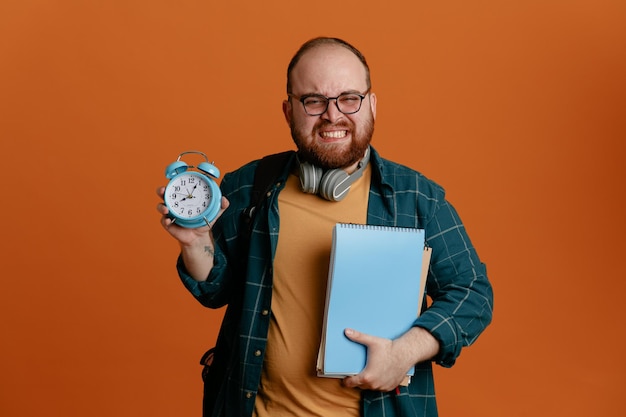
[322, 95]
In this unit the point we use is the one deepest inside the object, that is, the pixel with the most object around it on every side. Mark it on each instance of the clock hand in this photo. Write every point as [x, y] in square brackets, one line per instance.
[184, 198]
[190, 193]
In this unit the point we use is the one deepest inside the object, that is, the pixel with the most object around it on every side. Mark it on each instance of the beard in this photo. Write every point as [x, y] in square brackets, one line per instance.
[330, 155]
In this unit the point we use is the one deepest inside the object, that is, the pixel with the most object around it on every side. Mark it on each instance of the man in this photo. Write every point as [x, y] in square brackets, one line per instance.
[273, 278]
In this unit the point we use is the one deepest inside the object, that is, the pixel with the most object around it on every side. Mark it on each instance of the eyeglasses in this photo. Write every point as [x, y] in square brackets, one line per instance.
[317, 104]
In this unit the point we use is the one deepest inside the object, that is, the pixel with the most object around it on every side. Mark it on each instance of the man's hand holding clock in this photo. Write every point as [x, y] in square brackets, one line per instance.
[192, 202]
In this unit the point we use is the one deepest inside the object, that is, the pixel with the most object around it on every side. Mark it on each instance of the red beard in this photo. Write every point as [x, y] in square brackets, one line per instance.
[332, 156]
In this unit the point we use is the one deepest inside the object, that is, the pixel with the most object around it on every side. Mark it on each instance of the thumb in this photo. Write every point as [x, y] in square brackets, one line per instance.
[358, 337]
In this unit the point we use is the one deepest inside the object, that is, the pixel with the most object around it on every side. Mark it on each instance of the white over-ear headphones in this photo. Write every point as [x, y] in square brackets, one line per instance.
[333, 184]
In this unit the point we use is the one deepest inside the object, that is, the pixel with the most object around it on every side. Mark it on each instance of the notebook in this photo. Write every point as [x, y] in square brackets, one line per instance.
[376, 285]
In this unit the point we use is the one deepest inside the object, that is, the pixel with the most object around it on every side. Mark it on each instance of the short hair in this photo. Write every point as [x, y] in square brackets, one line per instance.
[320, 41]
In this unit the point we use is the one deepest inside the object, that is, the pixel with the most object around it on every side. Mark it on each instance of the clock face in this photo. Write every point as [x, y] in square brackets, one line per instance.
[188, 195]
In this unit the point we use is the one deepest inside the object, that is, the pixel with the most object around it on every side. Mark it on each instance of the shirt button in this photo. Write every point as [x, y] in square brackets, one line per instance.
[248, 395]
[257, 353]
[265, 312]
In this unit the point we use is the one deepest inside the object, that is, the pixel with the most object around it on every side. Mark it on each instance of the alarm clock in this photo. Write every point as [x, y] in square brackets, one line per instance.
[193, 198]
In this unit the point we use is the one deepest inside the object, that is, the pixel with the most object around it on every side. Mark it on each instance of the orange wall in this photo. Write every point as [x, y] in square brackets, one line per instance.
[517, 108]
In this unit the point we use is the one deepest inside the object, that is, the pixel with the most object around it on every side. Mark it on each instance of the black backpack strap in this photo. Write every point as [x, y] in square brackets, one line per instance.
[269, 168]
[215, 372]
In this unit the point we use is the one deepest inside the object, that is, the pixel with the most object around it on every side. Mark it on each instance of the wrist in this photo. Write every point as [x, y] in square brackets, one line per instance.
[418, 344]
[198, 258]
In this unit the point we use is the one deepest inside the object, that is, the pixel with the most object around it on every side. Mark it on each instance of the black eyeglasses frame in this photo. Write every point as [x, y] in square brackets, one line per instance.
[302, 98]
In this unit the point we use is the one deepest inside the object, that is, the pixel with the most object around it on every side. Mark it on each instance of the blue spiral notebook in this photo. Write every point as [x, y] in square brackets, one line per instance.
[376, 285]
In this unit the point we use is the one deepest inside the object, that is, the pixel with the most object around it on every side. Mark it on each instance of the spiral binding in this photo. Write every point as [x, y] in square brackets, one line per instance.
[375, 227]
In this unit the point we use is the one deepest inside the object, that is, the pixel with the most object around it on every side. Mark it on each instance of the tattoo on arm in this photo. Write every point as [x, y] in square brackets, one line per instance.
[209, 251]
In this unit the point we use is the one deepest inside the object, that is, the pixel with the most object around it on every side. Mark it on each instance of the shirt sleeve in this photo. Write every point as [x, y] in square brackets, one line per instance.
[462, 297]
[209, 293]
[215, 292]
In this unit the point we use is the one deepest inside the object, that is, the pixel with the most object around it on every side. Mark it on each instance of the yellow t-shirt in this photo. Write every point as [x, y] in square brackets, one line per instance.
[289, 383]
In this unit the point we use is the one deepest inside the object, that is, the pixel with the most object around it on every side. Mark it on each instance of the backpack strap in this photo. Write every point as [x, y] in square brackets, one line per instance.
[215, 372]
[269, 168]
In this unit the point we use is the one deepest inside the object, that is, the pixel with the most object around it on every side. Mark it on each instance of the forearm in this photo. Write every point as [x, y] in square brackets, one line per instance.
[416, 345]
[198, 257]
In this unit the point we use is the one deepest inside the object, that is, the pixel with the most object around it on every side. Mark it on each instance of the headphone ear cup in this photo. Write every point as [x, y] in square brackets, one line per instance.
[310, 177]
[335, 185]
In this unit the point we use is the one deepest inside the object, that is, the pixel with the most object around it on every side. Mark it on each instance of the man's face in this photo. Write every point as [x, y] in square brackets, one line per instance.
[332, 139]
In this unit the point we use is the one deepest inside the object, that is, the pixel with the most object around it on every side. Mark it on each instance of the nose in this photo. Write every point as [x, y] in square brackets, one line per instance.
[332, 112]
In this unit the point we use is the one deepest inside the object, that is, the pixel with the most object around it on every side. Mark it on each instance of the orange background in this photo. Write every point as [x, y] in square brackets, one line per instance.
[517, 108]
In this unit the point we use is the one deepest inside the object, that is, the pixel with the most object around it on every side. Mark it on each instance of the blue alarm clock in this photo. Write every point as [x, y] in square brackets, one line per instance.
[193, 198]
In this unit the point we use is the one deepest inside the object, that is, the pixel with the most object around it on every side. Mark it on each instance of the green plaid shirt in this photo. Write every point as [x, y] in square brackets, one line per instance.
[462, 297]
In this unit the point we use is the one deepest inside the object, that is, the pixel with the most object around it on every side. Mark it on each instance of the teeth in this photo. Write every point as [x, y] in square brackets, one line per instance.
[335, 134]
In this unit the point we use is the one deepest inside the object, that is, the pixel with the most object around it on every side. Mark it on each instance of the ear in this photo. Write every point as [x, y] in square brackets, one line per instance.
[287, 111]
[373, 104]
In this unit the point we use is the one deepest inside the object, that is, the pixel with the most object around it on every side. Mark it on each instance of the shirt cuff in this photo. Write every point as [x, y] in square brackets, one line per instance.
[444, 329]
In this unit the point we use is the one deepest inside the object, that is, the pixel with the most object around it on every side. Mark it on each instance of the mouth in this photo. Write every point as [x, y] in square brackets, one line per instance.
[334, 134]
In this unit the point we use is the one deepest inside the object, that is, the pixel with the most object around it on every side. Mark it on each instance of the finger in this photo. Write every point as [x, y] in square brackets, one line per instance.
[160, 191]
[351, 381]
[359, 337]
[162, 209]
[166, 222]
[224, 203]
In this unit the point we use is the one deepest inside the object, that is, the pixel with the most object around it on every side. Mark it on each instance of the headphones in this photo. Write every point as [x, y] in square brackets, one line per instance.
[333, 185]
